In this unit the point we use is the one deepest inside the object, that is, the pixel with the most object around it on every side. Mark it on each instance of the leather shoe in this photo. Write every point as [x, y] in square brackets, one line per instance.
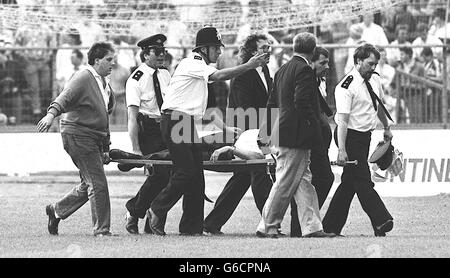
[52, 220]
[147, 229]
[265, 235]
[380, 231]
[320, 233]
[132, 224]
[156, 224]
[212, 232]
[119, 154]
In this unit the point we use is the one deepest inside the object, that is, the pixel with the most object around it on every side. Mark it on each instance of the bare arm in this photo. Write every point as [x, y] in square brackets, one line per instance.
[384, 120]
[241, 153]
[342, 136]
[133, 128]
[228, 73]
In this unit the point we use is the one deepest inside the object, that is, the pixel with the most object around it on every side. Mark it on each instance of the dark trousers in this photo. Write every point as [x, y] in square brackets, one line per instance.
[232, 194]
[355, 179]
[187, 177]
[150, 141]
[322, 176]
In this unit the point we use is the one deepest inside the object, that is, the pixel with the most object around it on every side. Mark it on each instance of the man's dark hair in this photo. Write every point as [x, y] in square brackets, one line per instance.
[320, 51]
[439, 12]
[78, 53]
[408, 51]
[364, 51]
[246, 50]
[304, 43]
[98, 50]
[426, 51]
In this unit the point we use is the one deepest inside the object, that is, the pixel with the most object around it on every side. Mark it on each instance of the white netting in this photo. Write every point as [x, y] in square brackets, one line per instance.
[118, 17]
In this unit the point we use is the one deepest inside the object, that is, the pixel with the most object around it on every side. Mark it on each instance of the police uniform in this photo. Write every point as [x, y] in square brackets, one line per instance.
[187, 96]
[141, 91]
[353, 97]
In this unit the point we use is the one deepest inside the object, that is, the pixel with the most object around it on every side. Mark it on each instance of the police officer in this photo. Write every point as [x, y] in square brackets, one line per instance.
[185, 103]
[358, 108]
[145, 89]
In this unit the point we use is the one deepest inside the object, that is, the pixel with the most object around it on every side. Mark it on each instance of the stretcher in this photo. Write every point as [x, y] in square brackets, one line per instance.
[267, 165]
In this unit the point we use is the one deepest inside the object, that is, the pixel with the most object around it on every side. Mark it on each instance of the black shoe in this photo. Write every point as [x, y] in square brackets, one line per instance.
[132, 224]
[265, 235]
[52, 220]
[380, 231]
[156, 224]
[320, 233]
[147, 229]
[212, 232]
[119, 154]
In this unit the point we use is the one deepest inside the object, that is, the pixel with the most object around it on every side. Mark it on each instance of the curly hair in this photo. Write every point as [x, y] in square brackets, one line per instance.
[250, 46]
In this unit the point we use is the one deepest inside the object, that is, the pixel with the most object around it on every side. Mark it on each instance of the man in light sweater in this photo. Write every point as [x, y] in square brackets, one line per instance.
[86, 101]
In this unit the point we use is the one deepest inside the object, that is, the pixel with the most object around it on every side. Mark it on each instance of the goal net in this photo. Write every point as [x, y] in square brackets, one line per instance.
[116, 17]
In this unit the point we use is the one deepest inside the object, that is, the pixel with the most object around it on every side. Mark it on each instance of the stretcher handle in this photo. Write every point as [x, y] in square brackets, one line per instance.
[350, 162]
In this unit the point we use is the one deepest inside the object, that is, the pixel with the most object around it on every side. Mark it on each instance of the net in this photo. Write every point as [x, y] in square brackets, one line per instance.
[120, 17]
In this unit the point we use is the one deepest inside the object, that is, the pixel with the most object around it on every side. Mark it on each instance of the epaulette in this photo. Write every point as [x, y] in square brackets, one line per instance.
[198, 58]
[347, 82]
[137, 75]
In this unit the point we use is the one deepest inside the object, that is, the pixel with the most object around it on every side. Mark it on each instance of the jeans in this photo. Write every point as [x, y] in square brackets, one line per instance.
[86, 154]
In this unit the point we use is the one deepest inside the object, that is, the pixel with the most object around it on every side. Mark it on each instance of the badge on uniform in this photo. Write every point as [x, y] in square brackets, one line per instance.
[347, 82]
[137, 75]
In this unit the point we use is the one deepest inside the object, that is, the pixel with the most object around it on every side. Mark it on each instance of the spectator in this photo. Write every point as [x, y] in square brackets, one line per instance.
[373, 33]
[432, 67]
[386, 71]
[402, 18]
[426, 38]
[64, 66]
[356, 32]
[36, 63]
[119, 76]
[410, 89]
[438, 27]
[433, 71]
[90, 31]
[125, 57]
[393, 54]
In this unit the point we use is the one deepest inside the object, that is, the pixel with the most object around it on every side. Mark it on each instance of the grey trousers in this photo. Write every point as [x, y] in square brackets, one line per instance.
[293, 180]
[86, 153]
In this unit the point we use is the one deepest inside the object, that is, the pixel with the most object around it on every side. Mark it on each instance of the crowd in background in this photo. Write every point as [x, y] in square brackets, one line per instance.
[29, 79]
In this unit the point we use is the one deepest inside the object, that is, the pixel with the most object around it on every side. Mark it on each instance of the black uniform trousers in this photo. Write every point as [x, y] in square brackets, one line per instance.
[322, 176]
[355, 179]
[187, 177]
[150, 141]
[232, 194]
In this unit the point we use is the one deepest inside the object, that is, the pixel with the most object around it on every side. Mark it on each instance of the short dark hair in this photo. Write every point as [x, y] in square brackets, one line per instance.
[99, 50]
[78, 53]
[426, 51]
[439, 12]
[304, 43]
[249, 46]
[364, 51]
[320, 51]
[407, 50]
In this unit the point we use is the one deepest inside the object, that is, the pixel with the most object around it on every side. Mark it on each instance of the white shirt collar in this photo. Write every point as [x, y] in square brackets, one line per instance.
[306, 60]
[357, 76]
[96, 75]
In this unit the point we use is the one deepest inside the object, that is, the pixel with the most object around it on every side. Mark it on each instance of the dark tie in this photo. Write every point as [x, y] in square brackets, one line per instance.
[375, 98]
[157, 87]
[265, 71]
[104, 82]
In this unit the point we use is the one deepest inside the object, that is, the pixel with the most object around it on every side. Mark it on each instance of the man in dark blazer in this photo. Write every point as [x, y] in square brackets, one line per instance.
[322, 176]
[250, 92]
[298, 129]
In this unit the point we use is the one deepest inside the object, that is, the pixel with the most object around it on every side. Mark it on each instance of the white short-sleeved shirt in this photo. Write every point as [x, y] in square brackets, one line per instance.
[140, 92]
[188, 89]
[352, 97]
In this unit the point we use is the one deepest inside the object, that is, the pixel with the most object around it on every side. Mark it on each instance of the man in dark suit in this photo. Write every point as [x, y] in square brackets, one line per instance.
[295, 94]
[322, 176]
[249, 92]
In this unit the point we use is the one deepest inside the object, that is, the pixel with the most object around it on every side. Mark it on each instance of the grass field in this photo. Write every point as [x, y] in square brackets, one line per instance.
[421, 229]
